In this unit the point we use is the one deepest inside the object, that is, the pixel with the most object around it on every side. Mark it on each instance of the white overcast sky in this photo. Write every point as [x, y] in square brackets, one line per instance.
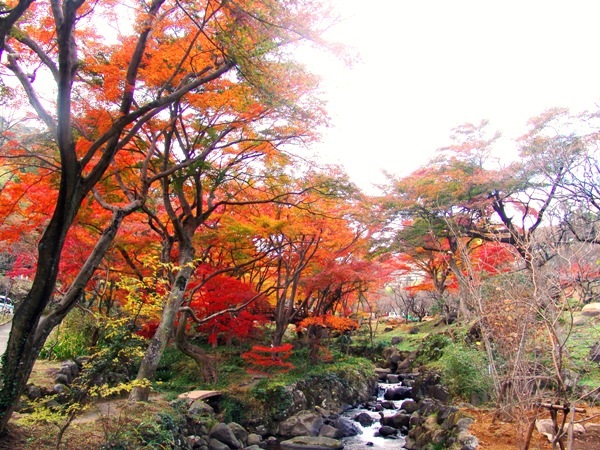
[429, 65]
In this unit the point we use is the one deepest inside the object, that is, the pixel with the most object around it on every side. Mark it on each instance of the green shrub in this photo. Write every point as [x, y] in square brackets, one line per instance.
[432, 348]
[232, 409]
[71, 338]
[465, 371]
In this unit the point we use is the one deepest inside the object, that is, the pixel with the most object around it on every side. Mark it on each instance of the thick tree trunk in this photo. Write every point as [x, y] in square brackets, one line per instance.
[20, 355]
[19, 361]
[165, 329]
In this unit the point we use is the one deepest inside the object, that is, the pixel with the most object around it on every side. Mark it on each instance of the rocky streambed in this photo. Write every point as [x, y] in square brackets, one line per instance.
[385, 410]
[357, 408]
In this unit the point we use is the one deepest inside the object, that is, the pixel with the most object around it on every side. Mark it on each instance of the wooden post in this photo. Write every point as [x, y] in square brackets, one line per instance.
[559, 433]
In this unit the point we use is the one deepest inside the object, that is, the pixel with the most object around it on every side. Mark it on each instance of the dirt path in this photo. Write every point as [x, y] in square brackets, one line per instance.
[499, 435]
[4, 332]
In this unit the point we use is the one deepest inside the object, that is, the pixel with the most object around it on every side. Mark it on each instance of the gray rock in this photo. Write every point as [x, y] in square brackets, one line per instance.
[304, 423]
[66, 371]
[239, 432]
[62, 379]
[330, 432]
[382, 373]
[388, 404]
[200, 407]
[81, 361]
[570, 378]
[465, 438]
[215, 444]
[387, 431]
[223, 433]
[364, 419]
[464, 423]
[262, 430]
[428, 406]
[59, 388]
[438, 392]
[397, 421]
[195, 441]
[33, 392]
[415, 420]
[410, 406]
[52, 404]
[410, 444]
[254, 439]
[595, 352]
[445, 412]
[271, 441]
[71, 366]
[579, 320]
[311, 443]
[398, 393]
[407, 363]
[346, 427]
[546, 428]
[392, 378]
[591, 309]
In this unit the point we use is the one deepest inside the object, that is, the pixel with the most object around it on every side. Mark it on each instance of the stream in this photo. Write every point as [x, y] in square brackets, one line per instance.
[370, 439]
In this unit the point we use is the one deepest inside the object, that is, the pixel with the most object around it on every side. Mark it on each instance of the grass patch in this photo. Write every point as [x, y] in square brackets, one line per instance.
[580, 342]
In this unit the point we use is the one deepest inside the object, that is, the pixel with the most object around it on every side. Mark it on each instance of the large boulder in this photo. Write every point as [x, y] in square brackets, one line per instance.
[397, 421]
[329, 431]
[303, 423]
[364, 419]
[546, 428]
[429, 385]
[215, 444]
[311, 443]
[398, 393]
[239, 432]
[346, 427]
[222, 433]
[591, 309]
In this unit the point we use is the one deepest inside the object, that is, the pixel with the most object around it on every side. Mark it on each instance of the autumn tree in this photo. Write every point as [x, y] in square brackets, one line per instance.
[106, 94]
[313, 247]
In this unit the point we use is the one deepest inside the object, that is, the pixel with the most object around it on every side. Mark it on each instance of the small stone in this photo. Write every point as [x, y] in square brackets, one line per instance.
[33, 392]
[62, 379]
[59, 388]
[254, 439]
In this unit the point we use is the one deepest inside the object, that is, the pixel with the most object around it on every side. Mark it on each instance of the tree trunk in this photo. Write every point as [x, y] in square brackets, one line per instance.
[464, 292]
[21, 353]
[38, 330]
[159, 341]
[196, 353]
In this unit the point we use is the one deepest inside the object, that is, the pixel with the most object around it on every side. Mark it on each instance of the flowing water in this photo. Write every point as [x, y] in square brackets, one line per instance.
[370, 439]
